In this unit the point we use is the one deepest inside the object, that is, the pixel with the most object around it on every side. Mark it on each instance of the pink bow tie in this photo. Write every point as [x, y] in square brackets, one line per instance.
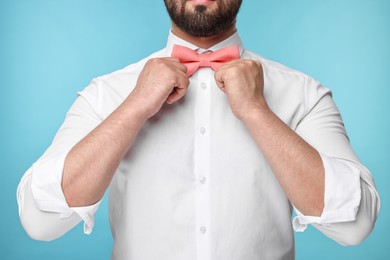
[193, 60]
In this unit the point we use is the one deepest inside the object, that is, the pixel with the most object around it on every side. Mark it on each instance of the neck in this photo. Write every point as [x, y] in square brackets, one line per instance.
[204, 42]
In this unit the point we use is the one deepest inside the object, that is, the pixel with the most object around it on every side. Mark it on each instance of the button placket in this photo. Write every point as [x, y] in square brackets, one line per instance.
[202, 163]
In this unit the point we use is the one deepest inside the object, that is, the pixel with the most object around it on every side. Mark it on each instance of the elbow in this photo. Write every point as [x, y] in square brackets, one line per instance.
[352, 233]
[357, 234]
[38, 235]
[34, 230]
[40, 224]
[33, 220]
[357, 231]
[47, 226]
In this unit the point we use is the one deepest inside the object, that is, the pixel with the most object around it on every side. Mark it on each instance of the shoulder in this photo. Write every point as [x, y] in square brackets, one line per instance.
[274, 68]
[289, 92]
[277, 74]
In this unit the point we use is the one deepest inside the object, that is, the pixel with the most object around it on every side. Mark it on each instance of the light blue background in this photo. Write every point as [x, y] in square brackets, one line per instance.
[50, 49]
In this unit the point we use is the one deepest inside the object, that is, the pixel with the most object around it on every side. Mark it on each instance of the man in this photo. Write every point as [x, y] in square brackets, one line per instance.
[204, 160]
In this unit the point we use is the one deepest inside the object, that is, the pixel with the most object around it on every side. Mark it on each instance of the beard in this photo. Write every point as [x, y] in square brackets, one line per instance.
[203, 21]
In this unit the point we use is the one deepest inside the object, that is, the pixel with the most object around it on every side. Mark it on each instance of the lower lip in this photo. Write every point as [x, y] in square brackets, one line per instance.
[202, 2]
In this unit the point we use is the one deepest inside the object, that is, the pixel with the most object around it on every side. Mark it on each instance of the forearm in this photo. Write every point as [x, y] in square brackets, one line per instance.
[296, 164]
[91, 163]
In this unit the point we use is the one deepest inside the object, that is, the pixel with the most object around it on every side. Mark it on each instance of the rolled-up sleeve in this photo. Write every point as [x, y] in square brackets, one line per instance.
[40, 194]
[342, 195]
[351, 202]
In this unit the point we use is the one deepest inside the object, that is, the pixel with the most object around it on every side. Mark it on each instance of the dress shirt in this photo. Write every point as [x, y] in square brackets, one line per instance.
[194, 185]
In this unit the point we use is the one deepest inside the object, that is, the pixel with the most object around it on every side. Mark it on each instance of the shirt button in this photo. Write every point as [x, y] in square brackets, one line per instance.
[202, 130]
[203, 180]
[203, 85]
[202, 229]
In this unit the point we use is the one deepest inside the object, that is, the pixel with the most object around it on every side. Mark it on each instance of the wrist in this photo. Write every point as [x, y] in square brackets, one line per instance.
[135, 110]
[255, 113]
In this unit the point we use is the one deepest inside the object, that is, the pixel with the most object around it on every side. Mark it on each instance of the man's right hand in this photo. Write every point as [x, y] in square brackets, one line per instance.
[161, 80]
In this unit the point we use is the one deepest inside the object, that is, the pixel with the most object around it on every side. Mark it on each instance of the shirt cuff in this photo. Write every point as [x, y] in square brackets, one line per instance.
[342, 195]
[87, 214]
[46, 178]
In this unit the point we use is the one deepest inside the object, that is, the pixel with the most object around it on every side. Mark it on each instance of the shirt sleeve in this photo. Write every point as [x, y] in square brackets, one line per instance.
[350, 197]
[342, 195]
[43, 180]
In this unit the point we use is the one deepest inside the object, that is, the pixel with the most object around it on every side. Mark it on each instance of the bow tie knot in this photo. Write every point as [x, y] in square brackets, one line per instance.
[193, 60]
[205, 60]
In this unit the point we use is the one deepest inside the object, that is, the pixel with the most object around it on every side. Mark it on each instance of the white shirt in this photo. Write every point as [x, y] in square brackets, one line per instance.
[194, 185]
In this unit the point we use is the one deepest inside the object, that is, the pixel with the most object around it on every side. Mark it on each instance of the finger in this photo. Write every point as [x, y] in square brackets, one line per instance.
[176, 63]
[171, 59]
[176, 95]
[182, 71]
[179, 66]
[181, 80]
[173, 63]
[229, 64]
[179, 90]
[219, 78]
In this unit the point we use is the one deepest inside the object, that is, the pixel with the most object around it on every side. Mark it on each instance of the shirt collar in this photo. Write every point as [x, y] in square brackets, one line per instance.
[232, 40]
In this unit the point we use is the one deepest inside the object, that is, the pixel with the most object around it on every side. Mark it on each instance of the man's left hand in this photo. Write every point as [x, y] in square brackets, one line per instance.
[242, 81]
